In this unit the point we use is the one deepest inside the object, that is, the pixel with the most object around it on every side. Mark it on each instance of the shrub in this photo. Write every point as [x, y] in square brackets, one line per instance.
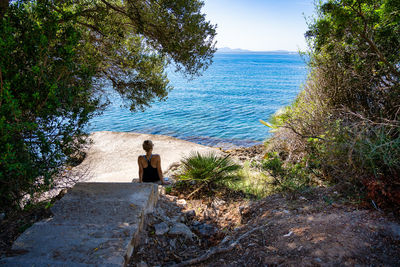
[56, 57]
[208, 170]
[346, 120]
[252, 181]
[377, 152]
[288, 177]
[46, 99]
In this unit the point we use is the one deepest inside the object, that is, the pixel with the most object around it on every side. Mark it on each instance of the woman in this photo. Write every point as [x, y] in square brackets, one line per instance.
[150, 165]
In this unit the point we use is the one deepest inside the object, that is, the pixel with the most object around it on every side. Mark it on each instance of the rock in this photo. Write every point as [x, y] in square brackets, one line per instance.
[217, 202]
[318, 260]
[161, 214]
[242, 209]
[172, 243]
[181, 229]
[190, 214]
[178, 218]
[171, 198]
[205, 230]
[161, 228]
[395, 230]
[181, 202]
[195, 222]
[207, 214]
[141, 264]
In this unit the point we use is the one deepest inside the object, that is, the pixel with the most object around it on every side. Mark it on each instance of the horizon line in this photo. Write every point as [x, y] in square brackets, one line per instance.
[228, 49]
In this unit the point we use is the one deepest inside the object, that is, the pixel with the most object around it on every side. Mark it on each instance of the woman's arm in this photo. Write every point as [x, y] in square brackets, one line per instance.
[160, 174]
[140, 170]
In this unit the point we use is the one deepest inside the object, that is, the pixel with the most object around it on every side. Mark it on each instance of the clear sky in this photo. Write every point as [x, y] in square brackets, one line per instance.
[260, 25]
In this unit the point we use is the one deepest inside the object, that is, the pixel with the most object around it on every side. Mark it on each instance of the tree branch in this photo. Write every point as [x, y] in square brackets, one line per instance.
[380, 55]
[115, 8]
[218, 250]
[90, 26]
[372, 44]
[302, 135]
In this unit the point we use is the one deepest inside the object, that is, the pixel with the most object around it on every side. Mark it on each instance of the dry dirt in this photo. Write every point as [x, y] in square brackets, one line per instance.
[317, 228]
[312, 230]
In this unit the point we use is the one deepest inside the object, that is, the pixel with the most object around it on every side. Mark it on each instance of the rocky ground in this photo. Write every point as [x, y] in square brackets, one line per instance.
[247, 153]
[318, 228]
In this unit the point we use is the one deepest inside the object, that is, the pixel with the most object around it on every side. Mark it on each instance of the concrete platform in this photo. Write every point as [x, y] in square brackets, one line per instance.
[112, 157]
[94, 224]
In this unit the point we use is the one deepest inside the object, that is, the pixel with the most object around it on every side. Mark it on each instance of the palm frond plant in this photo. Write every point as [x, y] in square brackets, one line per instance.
[207, 170]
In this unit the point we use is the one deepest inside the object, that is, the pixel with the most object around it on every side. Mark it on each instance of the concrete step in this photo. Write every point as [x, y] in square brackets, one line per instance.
[94, 224]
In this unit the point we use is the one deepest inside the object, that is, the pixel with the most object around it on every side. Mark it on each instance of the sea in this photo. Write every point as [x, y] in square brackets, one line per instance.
[221, 108]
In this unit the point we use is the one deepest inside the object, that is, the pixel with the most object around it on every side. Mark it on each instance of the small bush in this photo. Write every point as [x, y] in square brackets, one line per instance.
[377, 153]
[252, 182]
[207, 171]
[288, 177]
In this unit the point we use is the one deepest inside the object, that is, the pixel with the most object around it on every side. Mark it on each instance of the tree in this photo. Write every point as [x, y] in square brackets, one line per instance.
[361, 40]
[356, 51]
[346, 120]
[134, 40]
[55, 57]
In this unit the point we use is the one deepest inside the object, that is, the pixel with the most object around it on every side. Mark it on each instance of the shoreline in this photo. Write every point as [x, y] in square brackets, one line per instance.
[112, 156]
[214, 142]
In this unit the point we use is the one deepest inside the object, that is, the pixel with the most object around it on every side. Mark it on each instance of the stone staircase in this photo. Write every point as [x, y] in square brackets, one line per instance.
[94, 224]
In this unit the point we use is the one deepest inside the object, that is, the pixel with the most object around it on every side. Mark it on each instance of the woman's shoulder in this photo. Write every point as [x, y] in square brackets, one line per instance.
[156, 156]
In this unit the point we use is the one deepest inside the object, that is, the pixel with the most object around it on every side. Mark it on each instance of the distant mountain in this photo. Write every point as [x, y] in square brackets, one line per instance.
[230, 50]
[239, 50]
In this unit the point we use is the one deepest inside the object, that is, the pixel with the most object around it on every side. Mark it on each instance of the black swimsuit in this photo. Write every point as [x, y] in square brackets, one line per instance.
[150, 174]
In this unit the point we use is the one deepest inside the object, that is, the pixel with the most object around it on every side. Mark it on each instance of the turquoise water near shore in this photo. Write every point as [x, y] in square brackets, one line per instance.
[221, 108]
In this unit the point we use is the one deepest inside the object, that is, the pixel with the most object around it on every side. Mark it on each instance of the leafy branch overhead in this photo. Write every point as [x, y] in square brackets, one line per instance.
[57, 56]
[133, 42]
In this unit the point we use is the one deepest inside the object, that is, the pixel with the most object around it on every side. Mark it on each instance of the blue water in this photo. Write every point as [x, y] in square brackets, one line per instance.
[221, 108]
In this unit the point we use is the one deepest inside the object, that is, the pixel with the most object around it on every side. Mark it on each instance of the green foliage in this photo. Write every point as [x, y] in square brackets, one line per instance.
[380, 152]
[132, 42]
[252, 182]
[168, 189]
[45, 99]
[277, 119]
[356, 48]
[207, 171]
[207, 168]
[377, 152]
[55, 57]
[346, 120]
[288, 177]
